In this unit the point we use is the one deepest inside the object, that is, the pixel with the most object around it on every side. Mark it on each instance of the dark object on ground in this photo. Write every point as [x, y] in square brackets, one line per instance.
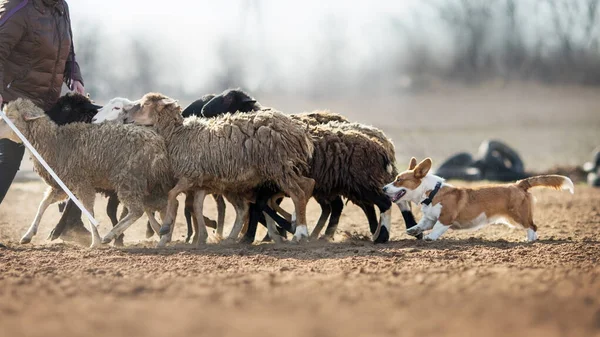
[593, 169]
[495, 161]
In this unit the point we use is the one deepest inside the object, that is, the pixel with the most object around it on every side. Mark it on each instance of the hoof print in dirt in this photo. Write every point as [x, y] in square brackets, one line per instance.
[384, 236]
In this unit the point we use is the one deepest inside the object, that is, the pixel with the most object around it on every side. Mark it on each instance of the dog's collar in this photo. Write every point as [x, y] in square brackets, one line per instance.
[429, 199]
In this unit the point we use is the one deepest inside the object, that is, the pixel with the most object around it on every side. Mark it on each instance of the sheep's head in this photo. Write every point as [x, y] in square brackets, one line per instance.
[19, 111]
[73, 107]
[114, 110]
[152, 107]
[230, 100]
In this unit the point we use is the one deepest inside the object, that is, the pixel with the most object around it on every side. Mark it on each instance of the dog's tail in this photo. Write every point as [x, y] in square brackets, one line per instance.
[551, 181]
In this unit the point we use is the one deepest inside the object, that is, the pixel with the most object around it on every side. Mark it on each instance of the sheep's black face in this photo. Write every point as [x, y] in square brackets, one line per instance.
[230, 101]
[73, 108]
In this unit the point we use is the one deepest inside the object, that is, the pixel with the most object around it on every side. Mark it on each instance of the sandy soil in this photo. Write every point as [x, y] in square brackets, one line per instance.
[484, 283]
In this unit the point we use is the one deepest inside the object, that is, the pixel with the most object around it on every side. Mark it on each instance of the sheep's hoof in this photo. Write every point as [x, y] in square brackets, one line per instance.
[384, 236]
[119, 242]
[301, 234]
[25, 240]
[164, 230]
[163, 242]
[95, 245]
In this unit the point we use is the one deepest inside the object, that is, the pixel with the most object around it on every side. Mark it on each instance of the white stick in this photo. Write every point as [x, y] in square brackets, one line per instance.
[43, 162]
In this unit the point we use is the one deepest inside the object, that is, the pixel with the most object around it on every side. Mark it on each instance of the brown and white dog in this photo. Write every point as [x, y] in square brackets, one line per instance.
[445, 206]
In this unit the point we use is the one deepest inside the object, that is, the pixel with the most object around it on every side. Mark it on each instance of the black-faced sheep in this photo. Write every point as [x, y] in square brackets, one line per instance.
[343, 152]
[195, 108]
[84, 157]
[72, 108]
[231, 155]
[230, 100]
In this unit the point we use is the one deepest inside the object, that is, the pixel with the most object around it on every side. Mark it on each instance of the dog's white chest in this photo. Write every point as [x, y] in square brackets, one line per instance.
[432, 212]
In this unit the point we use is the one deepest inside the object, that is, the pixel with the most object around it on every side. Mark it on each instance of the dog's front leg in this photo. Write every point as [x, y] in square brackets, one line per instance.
[438, 230]
[423, 225]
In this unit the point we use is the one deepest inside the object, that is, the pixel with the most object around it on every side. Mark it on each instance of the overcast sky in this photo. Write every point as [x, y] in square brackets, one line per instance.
[287, 29]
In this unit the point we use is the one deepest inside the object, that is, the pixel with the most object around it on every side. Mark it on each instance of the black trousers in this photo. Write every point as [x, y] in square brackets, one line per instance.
[11, 155]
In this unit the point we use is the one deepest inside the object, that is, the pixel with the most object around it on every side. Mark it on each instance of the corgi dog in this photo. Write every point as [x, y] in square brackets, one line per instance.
[445, 206]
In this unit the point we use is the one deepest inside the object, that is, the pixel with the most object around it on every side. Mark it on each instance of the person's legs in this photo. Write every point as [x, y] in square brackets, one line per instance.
[11, 155]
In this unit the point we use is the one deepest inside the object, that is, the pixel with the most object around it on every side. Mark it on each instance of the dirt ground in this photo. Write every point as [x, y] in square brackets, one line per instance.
[477, 283]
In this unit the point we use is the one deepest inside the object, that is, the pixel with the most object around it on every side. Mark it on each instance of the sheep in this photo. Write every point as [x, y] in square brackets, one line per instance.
[380, 140]
[264, 196]
[343, 153]
[195, 108]
[253, 150]
[83, 156]
[71, 108]
[230, 100]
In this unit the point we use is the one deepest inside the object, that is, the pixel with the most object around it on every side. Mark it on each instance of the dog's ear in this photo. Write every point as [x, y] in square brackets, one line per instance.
[412, 164]
[423, 168]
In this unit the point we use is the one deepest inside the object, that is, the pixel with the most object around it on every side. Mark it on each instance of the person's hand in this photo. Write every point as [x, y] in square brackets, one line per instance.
[78, 87]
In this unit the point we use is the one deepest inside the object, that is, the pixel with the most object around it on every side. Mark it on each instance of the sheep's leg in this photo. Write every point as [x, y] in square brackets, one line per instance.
[369, 210]
[111, 209]
[193, 236]
[182, 186]
[188, 208]
[88, 198]
[337, 205]
[300, 195]
[135, 212]
[277, 208]
[220, 213]
[152, 221]
[408, 216]
[241, 212]
[51, 196]
[325, 212]
[382, 235]
[166, 238]
[272, 229]
[202, 233]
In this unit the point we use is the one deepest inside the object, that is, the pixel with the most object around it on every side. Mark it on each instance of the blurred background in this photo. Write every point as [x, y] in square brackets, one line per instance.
[437, 76]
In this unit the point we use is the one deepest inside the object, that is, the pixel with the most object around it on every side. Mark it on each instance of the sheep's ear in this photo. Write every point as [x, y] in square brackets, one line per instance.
[29, 116]
[92, 106]
[423, 168]
[167, 101]
[412, 164]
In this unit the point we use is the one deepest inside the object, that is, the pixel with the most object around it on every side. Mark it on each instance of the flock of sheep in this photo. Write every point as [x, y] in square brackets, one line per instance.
[227, 145]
